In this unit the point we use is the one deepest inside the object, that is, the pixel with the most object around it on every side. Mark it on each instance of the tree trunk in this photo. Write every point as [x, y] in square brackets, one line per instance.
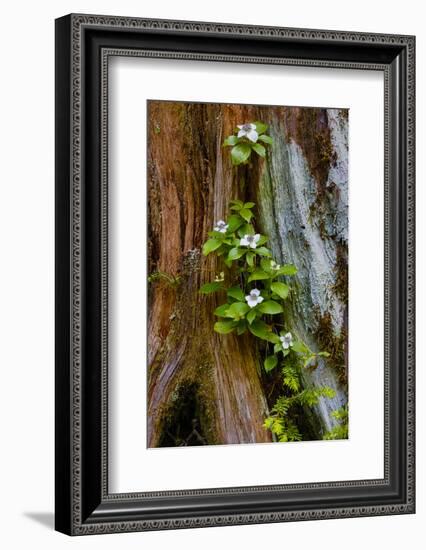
[216, 376]
[302, 200]
[199, 381]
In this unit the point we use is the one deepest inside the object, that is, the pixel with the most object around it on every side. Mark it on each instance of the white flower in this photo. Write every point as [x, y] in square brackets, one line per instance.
[221, 226]
[274, 265]
[286, 340]
[248, 131]
[219, 278]
[250, 240]
[254, 297]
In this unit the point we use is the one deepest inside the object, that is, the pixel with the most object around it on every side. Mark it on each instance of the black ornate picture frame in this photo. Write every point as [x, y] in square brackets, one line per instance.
[84, 43]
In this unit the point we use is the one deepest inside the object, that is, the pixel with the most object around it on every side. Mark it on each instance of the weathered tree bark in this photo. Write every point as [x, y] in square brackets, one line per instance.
[300, 192]
[190, 186]
[302, 200]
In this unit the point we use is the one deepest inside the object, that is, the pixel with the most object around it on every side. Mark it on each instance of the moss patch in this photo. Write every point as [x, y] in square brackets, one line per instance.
[341, 271]
[335, 344]
[309, 129]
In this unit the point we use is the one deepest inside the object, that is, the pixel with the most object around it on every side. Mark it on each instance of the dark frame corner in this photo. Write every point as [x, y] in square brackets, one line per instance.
[83, 45]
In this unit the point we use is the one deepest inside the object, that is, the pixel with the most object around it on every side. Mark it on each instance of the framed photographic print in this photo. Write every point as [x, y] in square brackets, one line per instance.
[234, 274]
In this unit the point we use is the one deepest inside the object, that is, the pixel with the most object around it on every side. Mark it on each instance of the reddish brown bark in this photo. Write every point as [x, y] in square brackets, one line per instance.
[190, 185]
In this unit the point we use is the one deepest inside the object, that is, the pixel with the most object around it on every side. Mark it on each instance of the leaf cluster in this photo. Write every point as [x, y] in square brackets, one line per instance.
[255, 269]
[256, 288]
[243, 147]
[341, 430]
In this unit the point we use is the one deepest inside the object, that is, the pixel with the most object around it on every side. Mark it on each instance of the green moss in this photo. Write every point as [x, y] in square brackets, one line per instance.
[342, 272]
[311, 132]
[166, 279]
[334, 344]
[323, 209]
[309, 128]
[341, 430]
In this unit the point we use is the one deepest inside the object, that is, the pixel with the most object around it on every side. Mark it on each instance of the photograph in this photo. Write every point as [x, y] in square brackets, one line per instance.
[247, 265]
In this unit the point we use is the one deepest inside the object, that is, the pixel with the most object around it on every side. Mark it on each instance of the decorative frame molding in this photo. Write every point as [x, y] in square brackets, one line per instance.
[84, 43]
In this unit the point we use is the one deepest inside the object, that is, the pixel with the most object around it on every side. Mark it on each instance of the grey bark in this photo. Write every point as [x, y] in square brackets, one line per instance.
[311, 240]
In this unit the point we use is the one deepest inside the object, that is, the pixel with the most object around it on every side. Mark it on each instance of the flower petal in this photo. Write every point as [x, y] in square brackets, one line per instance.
[244, 242]
[252, 135]
[256, 237]
[255, 292]
[251, 302]
[241, 133]
[253, 126]
[260, 299]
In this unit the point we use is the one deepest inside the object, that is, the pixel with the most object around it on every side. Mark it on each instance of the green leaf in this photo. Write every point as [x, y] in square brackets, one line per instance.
[263, 251]
[281, 289]
[235, 253]
[250, 256]
[237, 293]
[291, 378]
[221, 310]
[234, 222]
[210, 246]
[246, 214]
[326, 391]
[270, 362]
[224, 327]
[237, 203]
[308, 361]
[266, 139]
[237, 310]
[216, 234]
[265, 264]
[241, 327]
[249, 205]
[208, 288]
[251, 316]
[231, 140]
[278, 348]
[262, 330]
[323, 354]
[258, 275]
[260, 150]
[270, 307]
[246, 229]
[288, 269]
[261, 127]
[268, 423]
[300, 347]
[262, 240]
[240, 153]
